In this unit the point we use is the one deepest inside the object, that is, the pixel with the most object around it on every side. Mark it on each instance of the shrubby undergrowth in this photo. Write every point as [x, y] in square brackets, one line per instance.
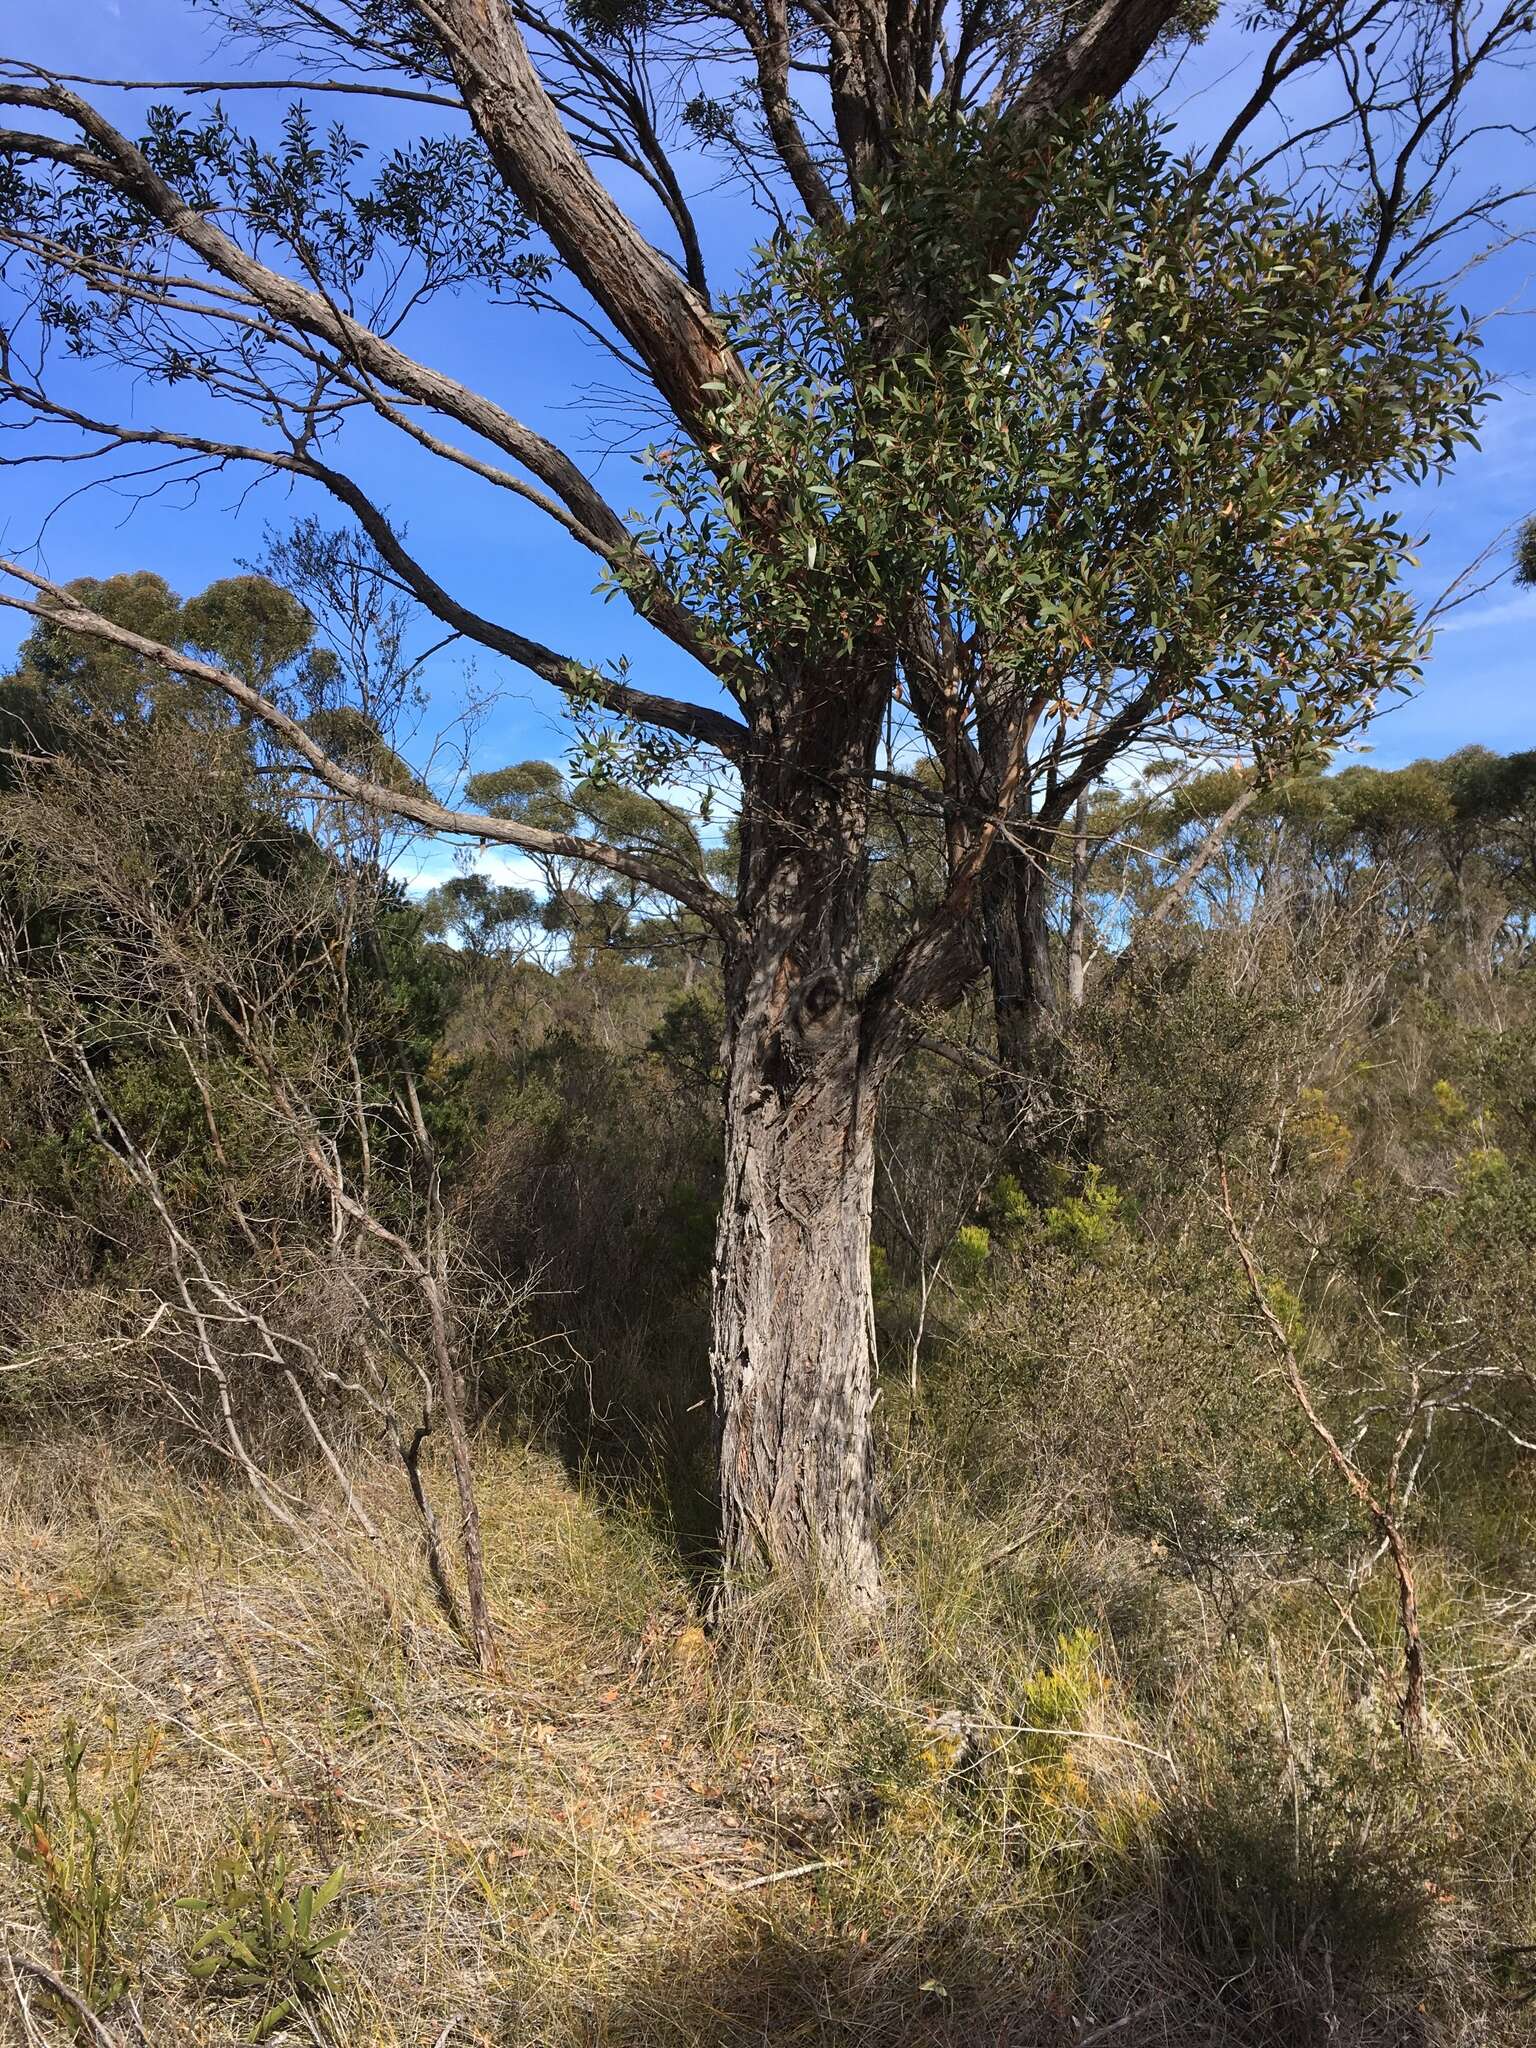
[1206, 1420]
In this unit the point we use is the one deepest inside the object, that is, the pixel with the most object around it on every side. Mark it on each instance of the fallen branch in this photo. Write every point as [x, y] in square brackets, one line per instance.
[96, 2031]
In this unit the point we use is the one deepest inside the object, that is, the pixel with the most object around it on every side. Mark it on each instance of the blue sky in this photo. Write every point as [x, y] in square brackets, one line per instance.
[513, 566]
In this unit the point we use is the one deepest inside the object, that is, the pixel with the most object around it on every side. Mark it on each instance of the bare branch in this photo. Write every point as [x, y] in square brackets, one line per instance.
[692, 721]
[1411, 1709]
[66, 611]
[115, 161]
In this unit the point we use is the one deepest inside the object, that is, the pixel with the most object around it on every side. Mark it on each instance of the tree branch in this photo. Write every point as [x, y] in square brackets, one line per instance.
[658, 313]
[692, 721]
[116, 162]
[65, 610]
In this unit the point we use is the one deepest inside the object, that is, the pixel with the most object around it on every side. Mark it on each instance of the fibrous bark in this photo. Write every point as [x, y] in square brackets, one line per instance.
[794, 1358]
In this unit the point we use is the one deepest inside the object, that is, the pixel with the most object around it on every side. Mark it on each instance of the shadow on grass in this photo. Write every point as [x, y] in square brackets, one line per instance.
[803, 1988]
[1128, 1983]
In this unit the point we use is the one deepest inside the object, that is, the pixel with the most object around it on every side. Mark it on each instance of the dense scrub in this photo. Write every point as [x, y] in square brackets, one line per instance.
[1206, 1418]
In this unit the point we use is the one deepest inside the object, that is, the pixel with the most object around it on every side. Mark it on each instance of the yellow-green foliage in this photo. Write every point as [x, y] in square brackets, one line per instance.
[1484, 1170]
[967, 1257]
[1086, 1222]
[1318, 1134]
[1007, 1205]
[1287, 1311]
[879, 1270]
[1451, 1106]
[1062, 1695]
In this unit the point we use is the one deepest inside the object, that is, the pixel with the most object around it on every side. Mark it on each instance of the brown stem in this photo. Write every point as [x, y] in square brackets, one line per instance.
[88, 2026]
[451, 1393]
[437, 1564]
[1411, 1707]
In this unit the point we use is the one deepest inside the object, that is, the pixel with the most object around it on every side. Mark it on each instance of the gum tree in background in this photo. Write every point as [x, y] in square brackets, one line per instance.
[213, 975]
[1024, 443]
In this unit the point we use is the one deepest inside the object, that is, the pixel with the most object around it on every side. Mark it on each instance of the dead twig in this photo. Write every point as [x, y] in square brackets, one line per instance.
[19, 1966]
[753, 1884]
[1411, 1707]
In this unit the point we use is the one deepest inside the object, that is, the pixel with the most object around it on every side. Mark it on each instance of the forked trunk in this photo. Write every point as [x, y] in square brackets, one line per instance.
[794, 1356]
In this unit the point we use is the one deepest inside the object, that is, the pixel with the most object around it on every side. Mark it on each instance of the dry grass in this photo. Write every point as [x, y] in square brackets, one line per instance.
[513, 1844]
[959, 1829]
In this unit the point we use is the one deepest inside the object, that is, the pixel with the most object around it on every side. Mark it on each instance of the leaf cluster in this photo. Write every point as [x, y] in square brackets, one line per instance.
[1152, 449]
[264, 1937]
[76, 1857]
[432, 209]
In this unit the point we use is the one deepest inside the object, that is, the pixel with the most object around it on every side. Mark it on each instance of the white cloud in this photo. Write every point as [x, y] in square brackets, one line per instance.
[427, 864]
[1507, 611]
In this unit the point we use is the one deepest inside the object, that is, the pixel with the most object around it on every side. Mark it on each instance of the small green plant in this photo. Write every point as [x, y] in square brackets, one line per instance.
[1319, 1137]
[967, 1256]
[1287, 1310]
[1451, 1106]
[264, 1939]
[1484, 1170]
[1085, 1222]
[879, 1271]
[1007, 1205]
[77, 1860]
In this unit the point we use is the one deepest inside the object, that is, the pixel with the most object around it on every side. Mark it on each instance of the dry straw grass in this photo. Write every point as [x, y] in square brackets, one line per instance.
[953, 1830]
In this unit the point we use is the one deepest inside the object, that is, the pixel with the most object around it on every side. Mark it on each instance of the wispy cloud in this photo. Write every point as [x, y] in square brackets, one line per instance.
[428, 864]
[1508, 611]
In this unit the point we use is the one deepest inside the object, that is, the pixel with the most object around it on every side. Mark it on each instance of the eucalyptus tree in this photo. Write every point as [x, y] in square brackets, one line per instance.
[1022, 441]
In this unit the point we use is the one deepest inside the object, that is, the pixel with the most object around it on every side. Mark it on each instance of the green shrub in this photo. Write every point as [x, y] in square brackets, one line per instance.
[263, 1938]
[77, 1860]
[969, 1251]
[1086, 1222]
[1319, 1840]
[1007, 1205]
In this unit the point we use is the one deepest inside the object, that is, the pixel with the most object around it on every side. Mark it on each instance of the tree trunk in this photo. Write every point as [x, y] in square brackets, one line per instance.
[1015, 892]
[1077, 928]
[793, 1353]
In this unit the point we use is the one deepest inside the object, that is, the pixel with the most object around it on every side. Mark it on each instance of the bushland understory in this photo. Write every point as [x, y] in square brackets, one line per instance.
[988, 1820]
[361, 1674]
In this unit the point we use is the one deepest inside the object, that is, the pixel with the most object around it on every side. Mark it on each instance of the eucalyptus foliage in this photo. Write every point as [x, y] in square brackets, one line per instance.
[1148, 467]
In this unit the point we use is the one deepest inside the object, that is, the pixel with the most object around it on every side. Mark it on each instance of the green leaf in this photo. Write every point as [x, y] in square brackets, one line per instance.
[272, 2019]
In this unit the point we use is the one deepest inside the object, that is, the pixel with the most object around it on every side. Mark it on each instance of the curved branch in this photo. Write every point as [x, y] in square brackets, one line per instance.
[65, 610]
[630, 105]
[1302, 42]
[643, 585]
[693, 721]
[1096, 63]
[770, 47]
[115, 161]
